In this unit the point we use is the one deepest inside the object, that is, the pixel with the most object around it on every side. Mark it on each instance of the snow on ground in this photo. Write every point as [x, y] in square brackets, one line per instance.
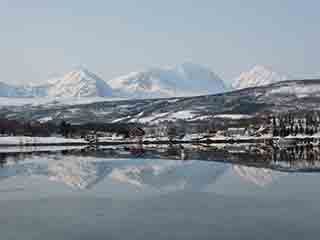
[234, 116]
[120, 119]
[167, 116]
[152, 118]
[38, 101]
[187, 114]
[299, 90]
[45, 119]
[203, 117]
[22, 140]
[30, 149]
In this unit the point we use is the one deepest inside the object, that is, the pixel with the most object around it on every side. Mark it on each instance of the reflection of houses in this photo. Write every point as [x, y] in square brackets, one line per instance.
[136, 132]
[297, 158]
[234, 132]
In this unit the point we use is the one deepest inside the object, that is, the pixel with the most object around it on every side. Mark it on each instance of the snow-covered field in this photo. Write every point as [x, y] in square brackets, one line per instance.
[23, 140]
[38, 101]
[298, 90]
[233, 116]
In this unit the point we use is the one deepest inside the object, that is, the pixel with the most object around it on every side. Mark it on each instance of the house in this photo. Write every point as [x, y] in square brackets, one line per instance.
[136, 132]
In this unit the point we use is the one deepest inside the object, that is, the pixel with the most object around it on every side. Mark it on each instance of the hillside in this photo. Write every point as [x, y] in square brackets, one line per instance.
[279, 97]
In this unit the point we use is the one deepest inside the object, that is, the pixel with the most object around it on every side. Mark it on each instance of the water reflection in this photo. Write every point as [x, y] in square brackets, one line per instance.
[186, 190]
[165, 168]
[298, 158]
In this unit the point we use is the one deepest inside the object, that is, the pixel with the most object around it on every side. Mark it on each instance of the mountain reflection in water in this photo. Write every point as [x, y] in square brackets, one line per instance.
[162, 168]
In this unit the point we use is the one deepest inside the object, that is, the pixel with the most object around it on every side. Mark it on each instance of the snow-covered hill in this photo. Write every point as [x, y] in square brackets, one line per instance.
[186, 79]
[246, 103]
[79, 83]
[257, 76]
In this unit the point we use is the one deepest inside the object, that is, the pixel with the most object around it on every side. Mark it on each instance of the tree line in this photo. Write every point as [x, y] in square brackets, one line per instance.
[291, 124]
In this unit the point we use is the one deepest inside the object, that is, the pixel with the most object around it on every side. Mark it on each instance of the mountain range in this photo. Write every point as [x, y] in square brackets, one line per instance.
[187, 79]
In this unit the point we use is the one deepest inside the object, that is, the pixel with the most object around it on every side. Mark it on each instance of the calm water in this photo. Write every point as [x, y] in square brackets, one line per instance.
[167, 192]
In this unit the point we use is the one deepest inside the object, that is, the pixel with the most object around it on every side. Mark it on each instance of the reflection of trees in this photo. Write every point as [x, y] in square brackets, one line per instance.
[298, 157]
[3, 159]
[176, 152]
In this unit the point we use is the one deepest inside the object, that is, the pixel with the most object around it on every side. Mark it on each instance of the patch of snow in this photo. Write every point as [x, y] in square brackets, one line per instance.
[120, 119]
[182, 115]
[299, 90]
[234, 116]
[45, 119]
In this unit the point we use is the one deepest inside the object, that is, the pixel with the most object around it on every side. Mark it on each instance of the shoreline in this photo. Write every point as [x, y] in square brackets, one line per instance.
[264, 140]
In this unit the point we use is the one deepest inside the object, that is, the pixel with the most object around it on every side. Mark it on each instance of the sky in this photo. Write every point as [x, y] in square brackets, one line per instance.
[43, 39]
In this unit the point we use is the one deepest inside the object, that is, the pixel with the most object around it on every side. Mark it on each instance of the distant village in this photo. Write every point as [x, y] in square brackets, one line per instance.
[264, 126]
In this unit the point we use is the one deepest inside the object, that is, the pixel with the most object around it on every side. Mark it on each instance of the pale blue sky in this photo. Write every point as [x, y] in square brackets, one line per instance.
[42, 38]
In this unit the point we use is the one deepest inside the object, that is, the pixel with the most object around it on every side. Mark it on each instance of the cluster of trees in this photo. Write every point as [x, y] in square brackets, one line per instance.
[96, 129]
[16, 128]
[289, 124]
[37, 129]
[175, 131]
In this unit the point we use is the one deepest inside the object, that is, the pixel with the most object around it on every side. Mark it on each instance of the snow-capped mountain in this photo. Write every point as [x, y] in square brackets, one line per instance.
[75, 84]
[79, 83]
[257, 76]
[187, 79]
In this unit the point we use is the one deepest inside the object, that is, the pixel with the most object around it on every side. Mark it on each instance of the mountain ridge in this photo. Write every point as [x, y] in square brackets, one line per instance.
[187, 79]
[182, 80]
[259, 75]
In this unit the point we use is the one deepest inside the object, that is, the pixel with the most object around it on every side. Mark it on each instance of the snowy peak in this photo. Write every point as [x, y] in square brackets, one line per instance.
[187, 79]
[79, 83]
[257, 76]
